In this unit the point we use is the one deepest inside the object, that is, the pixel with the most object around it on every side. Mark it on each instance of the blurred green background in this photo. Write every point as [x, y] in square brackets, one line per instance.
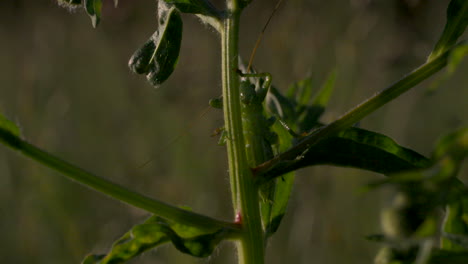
[69, 88]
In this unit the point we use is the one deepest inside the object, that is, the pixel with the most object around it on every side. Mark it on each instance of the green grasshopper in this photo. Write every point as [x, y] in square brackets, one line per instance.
[257, 134]
[258, 137]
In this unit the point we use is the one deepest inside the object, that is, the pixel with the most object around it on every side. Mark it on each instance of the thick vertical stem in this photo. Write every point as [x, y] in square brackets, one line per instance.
[244, 192]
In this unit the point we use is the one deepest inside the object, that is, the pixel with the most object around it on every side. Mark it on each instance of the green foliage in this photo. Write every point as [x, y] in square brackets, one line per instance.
[352, 147]
[293, 113]
[411, 223]
[301, 108]
[357, 148]
[457, 20]
[159, 55]
[285, 133]
[93, 8]
[154, 232]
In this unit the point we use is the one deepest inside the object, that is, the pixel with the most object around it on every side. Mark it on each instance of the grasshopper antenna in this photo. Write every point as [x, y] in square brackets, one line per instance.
[189, 126]
[259, 39]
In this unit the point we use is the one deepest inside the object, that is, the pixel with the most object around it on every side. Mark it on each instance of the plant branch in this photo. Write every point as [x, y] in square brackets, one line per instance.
[114, 190]
[244, 191]
[359, 112]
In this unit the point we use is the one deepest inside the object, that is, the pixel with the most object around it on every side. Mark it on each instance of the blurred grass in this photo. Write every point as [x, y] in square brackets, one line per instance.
[69, 88]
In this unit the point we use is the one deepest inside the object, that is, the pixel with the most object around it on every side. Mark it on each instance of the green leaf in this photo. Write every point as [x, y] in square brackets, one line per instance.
[301, 109]
[9, 132]
[323, 96]
[93, 8]
[283, 186]
[440, 176]
[293, 110]
[312, 113]
[358, 148]
[457, 20]
[194, 7]
[283, 189]
[154, 232]
[300, 92]
[159, 55]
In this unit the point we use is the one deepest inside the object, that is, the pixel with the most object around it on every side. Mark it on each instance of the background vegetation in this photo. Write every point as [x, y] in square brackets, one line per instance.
[69, 87]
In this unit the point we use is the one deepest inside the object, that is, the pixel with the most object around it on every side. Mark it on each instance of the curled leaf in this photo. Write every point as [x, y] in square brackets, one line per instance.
[158, 57]
[154, 232]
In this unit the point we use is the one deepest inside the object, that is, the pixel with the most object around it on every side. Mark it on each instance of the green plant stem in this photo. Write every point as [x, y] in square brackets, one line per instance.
[356, 114]
[244, 191]
[159, 208]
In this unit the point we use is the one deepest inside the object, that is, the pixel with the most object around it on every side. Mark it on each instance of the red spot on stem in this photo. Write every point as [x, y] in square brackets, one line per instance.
[238, 219]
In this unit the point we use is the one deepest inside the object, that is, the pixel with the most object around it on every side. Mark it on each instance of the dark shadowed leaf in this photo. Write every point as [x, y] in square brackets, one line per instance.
[159, 55]
[93, 8]
[457, 20]
[357, 148]
[194, 6]
[154, 232]
[283, 189]
[448, 257]
[296, 114]
[283, 186]
[310, 117]
[301, 108]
